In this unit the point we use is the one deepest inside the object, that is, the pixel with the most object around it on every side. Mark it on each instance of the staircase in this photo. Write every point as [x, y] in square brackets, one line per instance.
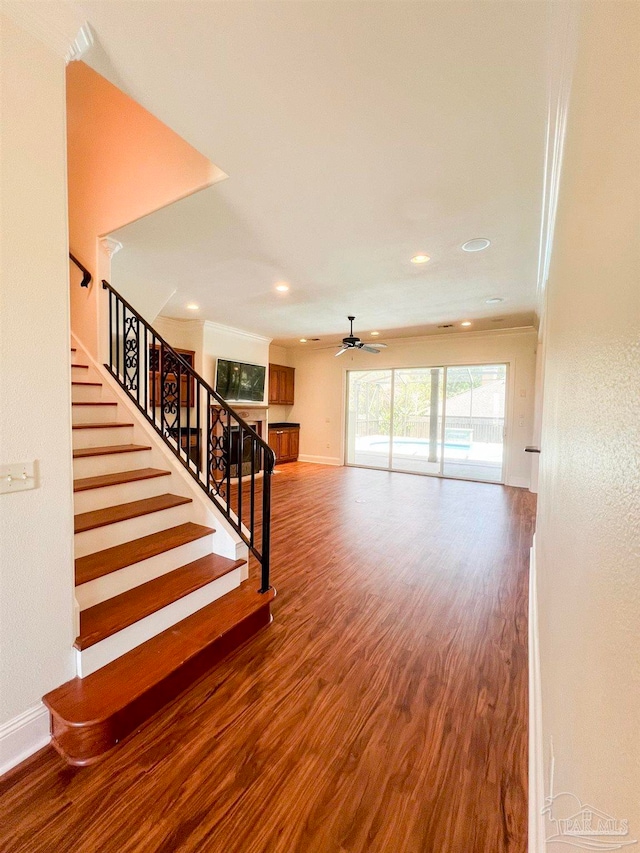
[158, 605]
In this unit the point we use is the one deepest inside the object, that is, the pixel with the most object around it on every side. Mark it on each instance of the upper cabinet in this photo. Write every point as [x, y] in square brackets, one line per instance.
[281, 385]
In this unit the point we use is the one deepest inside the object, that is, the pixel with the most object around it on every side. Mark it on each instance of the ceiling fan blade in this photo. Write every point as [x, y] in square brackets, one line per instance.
[341, 350]
[367, 348]
[380, 346]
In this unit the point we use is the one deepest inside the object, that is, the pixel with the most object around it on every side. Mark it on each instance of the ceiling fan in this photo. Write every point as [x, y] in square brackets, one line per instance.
[352, 342]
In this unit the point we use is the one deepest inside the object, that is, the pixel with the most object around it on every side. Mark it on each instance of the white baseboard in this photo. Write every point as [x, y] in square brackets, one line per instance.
[320, 460]
[519, 482]
[536, 754]
[23, 735]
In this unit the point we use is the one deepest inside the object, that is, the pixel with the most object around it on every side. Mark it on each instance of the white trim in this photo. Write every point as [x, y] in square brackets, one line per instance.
[23, 735]
[320, 460]
[518, 482]
[55, 24]
[563, 30]
[536, 754]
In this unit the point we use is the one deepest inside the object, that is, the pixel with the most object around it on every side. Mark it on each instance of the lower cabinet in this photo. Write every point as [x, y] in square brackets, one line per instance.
[285, 442]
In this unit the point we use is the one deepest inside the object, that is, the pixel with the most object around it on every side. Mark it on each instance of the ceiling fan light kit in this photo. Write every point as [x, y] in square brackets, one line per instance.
[353, 342]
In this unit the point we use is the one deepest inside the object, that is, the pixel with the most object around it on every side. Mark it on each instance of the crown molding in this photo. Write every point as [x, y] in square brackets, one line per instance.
[53, 23]
[111, 245]
[219, 327]
[563, 36]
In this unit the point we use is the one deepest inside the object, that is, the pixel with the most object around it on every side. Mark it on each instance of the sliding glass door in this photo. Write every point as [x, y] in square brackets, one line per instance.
[444, 421]
[369, 418]
[474, 422]
[417, 415]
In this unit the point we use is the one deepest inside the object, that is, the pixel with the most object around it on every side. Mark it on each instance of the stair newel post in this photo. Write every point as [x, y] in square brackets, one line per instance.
[110, 295]
[240, 465]
[118, 338]
[144, 367]
[227, 456]
[179, 407]
[266, 519]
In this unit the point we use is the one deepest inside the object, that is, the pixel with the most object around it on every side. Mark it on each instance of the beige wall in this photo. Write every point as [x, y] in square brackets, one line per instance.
[321, 387]
[123, 164]
[36, 527]
[588, 532]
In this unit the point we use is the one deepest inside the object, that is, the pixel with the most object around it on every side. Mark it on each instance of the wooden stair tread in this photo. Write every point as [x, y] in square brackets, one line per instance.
[81, 382]
[97, 403]
[107, 450]
[91, 715]
[113, 615]
[108, 425]
[81, 366]
[85, 483]
[84, 521]
[119, 556]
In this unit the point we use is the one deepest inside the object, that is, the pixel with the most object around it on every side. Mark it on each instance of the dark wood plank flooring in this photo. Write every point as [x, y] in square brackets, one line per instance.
[384, 710]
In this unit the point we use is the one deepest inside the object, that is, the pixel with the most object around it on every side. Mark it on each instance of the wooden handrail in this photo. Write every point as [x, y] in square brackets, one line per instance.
[86, 275]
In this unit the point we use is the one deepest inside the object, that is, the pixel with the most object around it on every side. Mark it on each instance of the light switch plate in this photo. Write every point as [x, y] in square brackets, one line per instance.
[18, 477]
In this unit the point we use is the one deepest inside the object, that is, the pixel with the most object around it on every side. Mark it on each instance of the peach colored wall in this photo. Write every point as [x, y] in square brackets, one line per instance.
[123, 163]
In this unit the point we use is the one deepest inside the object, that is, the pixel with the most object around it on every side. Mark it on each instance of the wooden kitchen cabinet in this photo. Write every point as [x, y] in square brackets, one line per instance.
[284, 440]
[281, 385]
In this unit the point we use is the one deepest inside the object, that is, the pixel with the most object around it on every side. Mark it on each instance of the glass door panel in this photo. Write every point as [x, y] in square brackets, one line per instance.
[417, 419]
[473, 435]
[369, 418]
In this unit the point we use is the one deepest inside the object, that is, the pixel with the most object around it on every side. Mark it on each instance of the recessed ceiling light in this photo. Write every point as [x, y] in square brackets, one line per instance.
[466, 323]
[303, 340]
[476, 245]
[282, 287]
[420, 259]
[494, 300]
[375, 334]
[192, 306]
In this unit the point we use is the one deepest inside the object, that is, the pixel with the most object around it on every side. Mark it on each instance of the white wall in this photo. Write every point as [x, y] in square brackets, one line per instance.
[588, 531]
[321, 387]
[36, 527]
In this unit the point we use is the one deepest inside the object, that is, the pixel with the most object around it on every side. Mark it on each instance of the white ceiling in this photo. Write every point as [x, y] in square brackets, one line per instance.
[355, 134]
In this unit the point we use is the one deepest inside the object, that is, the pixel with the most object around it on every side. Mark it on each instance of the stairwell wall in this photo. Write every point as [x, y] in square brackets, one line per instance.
[36, 526]
[124, 163]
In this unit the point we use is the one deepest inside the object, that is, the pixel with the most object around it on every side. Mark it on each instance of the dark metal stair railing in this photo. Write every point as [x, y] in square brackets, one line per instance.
[86, 275]
[223, 454]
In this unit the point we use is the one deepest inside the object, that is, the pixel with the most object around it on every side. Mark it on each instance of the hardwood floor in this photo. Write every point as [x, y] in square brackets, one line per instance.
[384, 710]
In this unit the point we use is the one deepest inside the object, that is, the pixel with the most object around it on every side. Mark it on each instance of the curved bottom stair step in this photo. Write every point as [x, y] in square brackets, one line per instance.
[90, 716]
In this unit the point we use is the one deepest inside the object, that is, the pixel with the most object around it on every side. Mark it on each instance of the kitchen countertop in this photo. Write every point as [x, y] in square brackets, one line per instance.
[283, 425]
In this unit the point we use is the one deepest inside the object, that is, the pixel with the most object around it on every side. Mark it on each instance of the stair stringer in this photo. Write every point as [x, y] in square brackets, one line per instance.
[226, 541]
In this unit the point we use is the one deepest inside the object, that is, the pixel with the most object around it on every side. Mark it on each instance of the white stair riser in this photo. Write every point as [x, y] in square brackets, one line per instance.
[122, 494]
[124, 531]
[113, 647]
[111, 463]
[93, 414]
[85, 393]
[102, 437]
[131, 576]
